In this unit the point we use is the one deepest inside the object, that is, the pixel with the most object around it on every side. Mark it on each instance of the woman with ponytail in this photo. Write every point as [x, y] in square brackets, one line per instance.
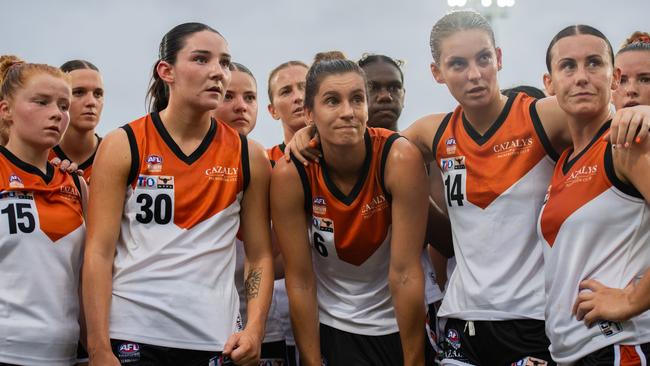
[351, 230]
[41, 220]
[170, 192]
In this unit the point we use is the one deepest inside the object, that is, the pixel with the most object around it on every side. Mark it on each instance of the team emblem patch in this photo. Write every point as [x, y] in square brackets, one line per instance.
[326, 225]
[129, 352]
[453, 338]
[450, 144]
[454, 163]
[154, 163]
[319, 206]
[530, 361]
[609, 328]
[15, 181]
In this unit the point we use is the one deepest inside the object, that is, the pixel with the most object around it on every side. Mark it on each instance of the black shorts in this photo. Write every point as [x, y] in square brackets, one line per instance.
[618, 355]
[496, 343]
[293, 358]
[141, 354]
[339, 348]
[274, 354]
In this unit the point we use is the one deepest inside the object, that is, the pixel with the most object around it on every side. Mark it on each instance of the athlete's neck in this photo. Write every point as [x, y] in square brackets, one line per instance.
[288, 133]
[583, 130]
[483, 118]
[344, 164]
[79, 145]
[36, 156]
[186, 125]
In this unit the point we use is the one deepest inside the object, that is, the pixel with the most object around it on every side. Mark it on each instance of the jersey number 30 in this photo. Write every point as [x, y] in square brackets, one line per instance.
[158, 209]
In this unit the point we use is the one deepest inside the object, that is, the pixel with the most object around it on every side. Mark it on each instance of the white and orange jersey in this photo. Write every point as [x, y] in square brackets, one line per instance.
[494, 188]
[593, 227]
[41, 238]
[175, 258]
[350, 238]
[86, 166]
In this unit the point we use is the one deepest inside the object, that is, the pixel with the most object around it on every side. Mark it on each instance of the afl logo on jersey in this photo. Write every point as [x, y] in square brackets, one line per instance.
[154, 163]
[129, 352]
[451, 145]
[453, 339]
[15, 181]
[319, 205]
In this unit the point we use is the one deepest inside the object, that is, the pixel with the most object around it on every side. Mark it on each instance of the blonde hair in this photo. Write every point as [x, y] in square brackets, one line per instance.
[14, 73]
[638, 41]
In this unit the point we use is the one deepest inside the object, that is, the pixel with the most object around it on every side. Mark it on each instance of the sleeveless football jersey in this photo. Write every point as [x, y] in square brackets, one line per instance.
[350, 238]
[276, 153]
[86, 166]
[593, 227]
[494, 189]
[41, 242]
[432, 291]
[173, 274]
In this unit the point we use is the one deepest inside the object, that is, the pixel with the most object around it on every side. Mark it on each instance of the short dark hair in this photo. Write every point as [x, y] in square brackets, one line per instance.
[574, 30]
[369, 59]
[73, 65]
[236, 66]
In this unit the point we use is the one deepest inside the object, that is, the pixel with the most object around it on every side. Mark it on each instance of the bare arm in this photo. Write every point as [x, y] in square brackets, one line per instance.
[290, 225]
[555, 122]
[245, 347]
[107, 193]
[421, 133]
[631, 165]
[439, 234]
[406, 181]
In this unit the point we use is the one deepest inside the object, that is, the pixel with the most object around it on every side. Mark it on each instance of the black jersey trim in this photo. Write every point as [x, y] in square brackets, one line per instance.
[306, 187]
[626, 188]
[334, 190]
[29, 168]
[541, 133]
[439, 133]
[169, 141]
[245, 163]
[86, 164]
[568, 164]
[77, 183]
[135, 155]
[481, 139]
[384, 157]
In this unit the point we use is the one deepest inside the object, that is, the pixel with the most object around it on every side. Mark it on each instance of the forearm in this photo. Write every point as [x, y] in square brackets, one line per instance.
[304, 319]
[640, 297]
[407, 289]
[258, 284]
[97, 291]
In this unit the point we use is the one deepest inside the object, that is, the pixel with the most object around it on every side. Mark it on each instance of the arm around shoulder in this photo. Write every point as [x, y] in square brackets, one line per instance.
[422, 132]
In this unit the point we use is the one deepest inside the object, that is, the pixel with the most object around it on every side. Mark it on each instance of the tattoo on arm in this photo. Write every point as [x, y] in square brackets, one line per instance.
[252, 283]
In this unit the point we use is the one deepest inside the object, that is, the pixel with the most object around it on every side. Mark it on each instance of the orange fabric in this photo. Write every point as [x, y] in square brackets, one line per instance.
[58, 203]
[584, 181]
[512, 151]
[203, 188]
[275, 153]
[629, 356]
[361, 226]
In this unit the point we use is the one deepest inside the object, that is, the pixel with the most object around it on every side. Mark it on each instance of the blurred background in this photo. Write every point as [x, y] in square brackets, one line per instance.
[121, 37]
